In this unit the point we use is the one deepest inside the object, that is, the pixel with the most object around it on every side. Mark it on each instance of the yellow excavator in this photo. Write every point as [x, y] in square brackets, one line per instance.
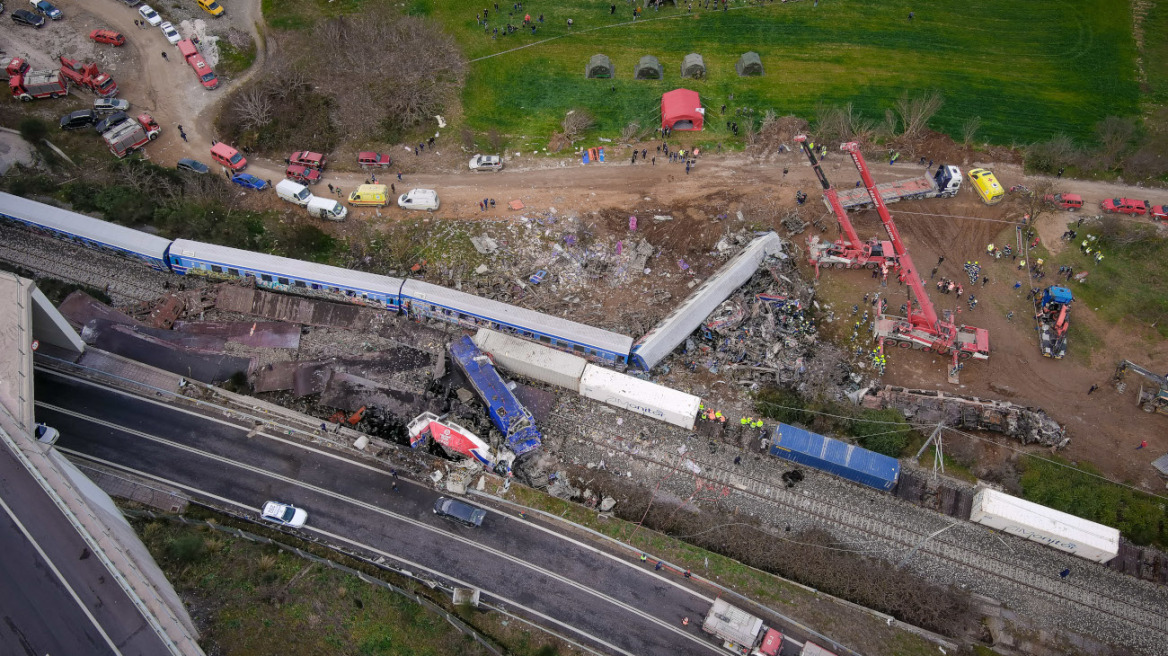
[1152, 398]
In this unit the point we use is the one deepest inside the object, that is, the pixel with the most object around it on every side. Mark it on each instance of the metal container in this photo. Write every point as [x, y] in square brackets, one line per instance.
[531, 360]
[1054, 528]
[834, 457]
[640, 396]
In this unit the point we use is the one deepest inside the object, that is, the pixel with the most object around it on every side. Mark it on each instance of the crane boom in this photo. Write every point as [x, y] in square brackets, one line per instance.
[926, 314]
[830, 194]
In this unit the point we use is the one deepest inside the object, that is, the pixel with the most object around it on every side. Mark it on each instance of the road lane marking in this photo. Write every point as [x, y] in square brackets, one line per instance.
[324, 492]
[341, 458]
[60, 577]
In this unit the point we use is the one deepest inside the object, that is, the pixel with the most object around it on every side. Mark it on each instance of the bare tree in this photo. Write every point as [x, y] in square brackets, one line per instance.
[969, 130]
[916, 111]
[253, 107]
[575, 123]
[385, 67]
[1050, 155]
[629, 132]
[841, 124]
[1114, 135]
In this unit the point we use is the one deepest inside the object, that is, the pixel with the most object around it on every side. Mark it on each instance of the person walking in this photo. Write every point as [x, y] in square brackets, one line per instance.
[165, 57]
[1092, 390]
[1143, 444]
[331, 190]
[1065, 573]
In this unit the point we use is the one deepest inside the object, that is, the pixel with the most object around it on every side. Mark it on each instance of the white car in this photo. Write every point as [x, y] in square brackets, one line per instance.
[418, 199]
[486, 163]
[46, 434]
[150, 15]
[282, 513]
[110, 105]
[170, 33]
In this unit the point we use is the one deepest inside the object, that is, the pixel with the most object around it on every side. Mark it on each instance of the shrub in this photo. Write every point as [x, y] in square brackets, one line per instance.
[33, 130]
[186, 549]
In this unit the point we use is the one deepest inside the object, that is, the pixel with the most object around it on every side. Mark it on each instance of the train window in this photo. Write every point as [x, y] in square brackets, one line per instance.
[300, 283]
[579, 349]
[545, 339]
[284, 281]
[248, 274]
[234, 272]
[315, 286]
[174, 260]
[216, 268]
[265, 277]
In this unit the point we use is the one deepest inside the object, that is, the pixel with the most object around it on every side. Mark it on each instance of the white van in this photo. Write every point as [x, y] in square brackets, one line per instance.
[327, 208]
[418, 199]
[293, 192]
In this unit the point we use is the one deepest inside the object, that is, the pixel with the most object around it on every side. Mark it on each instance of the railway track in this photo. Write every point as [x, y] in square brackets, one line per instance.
[123, 280]
[1138, 614]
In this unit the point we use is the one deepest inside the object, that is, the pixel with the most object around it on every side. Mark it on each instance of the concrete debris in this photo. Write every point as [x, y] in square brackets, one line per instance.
[484, 245]
[1029, 425]
[662, 217]
[607, 504]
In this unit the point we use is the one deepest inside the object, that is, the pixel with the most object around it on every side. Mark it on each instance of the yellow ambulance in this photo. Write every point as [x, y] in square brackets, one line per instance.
[370, 194]
[986, 186]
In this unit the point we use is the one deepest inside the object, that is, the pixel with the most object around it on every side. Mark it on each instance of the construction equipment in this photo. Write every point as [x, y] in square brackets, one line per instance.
[28, 85]
[1054, 321]
[87, 76]
[847, 252]
[922, 329]
[1150, 399]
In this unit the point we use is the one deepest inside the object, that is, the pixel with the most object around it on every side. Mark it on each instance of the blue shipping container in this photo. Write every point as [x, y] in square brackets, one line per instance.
[834, 457]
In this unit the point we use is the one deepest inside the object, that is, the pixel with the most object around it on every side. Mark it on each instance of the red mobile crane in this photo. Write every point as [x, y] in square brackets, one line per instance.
[847, 252]
[922, 329]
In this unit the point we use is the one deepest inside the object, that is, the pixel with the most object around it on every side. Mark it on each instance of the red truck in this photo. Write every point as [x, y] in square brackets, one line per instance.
[202, 69]
[89, 77]
[128, 136]
[1125, 206]
[28, 85]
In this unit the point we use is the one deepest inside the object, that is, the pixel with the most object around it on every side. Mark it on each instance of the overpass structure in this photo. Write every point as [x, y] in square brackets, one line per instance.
[86, 582]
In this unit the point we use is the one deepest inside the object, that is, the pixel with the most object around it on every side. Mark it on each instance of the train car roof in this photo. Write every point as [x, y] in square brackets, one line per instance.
[83, 226]
[517, 316]
[286, 267]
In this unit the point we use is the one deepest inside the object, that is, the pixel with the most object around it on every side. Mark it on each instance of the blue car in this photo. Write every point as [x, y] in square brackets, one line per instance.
[250, 181]
[46, 9]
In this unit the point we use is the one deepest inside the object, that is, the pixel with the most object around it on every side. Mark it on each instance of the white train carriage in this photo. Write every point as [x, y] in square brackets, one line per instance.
[85, 230]
[194, 258]
[467, 310]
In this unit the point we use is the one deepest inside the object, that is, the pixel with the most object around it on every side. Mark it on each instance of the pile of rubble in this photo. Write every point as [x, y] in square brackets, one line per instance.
[1029, 425]
[765, 333]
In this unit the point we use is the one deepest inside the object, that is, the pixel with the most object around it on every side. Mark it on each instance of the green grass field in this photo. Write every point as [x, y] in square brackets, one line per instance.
[1028, 69]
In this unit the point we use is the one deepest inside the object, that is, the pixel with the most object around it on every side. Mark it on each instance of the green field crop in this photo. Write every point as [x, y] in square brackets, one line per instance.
[1029, 70]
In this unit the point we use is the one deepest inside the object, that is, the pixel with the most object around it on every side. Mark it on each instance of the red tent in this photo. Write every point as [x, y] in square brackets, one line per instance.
[681, 109]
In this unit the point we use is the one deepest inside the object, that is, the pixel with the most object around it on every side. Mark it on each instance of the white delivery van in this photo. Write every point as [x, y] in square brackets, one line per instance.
[293, 192]
[327, 208]
[418, 199]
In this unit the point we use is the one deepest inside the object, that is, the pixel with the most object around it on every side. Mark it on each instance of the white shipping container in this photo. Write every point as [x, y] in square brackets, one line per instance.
[532, 360]
[1032, 521]
[649, 399]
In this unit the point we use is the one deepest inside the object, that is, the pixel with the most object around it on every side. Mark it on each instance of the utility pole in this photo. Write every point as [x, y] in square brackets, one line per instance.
[938, 453]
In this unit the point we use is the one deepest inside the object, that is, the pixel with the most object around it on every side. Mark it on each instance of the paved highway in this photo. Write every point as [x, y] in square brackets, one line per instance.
[58, 598]
[609, 602]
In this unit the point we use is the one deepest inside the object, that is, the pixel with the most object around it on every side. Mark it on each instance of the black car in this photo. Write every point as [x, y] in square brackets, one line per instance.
[192, 165]
[28, 18]
[80, 119]
[107, 123]
[459, 511]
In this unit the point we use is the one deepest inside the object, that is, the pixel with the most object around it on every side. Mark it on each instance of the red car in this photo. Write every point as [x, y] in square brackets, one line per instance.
[1160, 212]
[108, 36]
[1125, 206]
[1068, 202]
[371, 160]
[309, 159]
[302, 174]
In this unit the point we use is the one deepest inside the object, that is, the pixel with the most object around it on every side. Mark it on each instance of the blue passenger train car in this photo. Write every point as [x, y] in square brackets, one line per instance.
[835, 457]
[510, 416]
